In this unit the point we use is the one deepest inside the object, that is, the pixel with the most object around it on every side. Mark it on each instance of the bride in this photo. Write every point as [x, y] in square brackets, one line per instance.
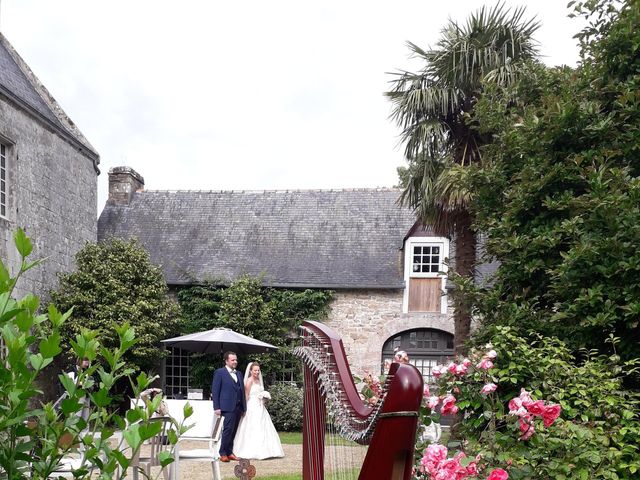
[256, 437]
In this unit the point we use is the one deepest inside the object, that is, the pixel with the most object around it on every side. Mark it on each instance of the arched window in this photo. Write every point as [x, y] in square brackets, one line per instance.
[426, 347]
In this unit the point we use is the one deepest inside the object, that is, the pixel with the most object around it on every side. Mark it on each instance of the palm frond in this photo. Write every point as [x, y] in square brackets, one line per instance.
[431, 105]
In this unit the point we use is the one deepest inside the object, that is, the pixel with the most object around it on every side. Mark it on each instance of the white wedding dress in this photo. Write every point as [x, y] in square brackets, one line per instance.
[256, 437]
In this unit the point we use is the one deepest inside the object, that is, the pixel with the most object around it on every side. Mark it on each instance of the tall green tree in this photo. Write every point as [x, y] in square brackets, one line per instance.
[434, 108]
[559, 192]
[115, 282]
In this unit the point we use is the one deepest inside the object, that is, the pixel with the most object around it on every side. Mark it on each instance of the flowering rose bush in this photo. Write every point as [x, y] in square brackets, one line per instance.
[371, 389]
[473, 381]
[574, 419]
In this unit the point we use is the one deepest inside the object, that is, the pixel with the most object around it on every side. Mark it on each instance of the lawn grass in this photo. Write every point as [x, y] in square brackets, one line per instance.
[295, 438]
[290, 438]
[298, 476]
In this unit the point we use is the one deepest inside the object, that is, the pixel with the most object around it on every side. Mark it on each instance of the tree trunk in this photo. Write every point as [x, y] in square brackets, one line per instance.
[465, 261]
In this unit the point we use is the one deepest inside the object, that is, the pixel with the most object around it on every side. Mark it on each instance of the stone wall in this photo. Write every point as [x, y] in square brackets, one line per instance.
[52, 196]
[366, 319]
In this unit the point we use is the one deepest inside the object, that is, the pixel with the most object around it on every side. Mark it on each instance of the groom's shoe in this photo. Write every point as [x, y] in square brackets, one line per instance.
[232, 457]
[224, 458]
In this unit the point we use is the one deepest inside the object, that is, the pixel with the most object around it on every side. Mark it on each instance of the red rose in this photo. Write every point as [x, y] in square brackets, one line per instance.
[498, 474]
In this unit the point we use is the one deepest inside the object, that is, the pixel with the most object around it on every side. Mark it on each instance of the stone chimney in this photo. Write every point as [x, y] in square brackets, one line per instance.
[123, 183]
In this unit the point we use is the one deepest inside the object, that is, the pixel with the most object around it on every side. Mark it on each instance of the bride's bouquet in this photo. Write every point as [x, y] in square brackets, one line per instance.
[264, 395]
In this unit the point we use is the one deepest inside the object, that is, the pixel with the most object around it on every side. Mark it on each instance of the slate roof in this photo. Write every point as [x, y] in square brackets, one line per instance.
[19, 84]
[307, 238]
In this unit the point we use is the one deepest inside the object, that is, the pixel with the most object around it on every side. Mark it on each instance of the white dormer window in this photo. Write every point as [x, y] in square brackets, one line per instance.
[4, 190]
[426, 259]
[425, 274]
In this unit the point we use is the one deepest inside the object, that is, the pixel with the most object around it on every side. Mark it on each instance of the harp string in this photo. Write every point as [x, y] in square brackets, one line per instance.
[340, 460]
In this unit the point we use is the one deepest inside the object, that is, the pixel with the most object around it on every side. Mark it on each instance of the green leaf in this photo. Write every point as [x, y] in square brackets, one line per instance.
[10, 314]
[23, 243]
[68, 384]
[37, 361]
[70, 405]
[101, 398]
[165, 458]
[187, 410]
[150, 430]
[50, 346]
[133, 415]
[132, 436]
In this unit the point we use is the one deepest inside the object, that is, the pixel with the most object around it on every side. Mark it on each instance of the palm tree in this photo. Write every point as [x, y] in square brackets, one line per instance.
[433, 106]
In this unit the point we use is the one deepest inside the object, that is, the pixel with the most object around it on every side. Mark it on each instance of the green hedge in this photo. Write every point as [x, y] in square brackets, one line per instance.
[285, 407]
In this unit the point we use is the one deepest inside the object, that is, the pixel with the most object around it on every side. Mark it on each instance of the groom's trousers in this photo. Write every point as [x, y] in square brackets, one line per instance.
[229, 428]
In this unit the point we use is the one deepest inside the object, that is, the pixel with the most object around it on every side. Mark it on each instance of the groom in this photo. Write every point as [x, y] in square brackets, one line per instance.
[228, 400]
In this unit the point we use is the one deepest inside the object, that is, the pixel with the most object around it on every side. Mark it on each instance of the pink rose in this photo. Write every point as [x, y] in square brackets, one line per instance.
[438, 370]
[536, 408]
[472, 469]
[449, 406]
[491, 354]
[485, 364]
[452, 367]
[461, 369]
[466, 362]
[516, 408]
[551, 412]
[433, 402]
[425, 392]
[433, 457]
[525, 397]
[527, 429]
[498, 474]
[488, 388]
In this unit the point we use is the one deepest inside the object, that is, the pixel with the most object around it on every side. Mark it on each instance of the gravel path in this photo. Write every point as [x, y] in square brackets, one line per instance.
[291, 463]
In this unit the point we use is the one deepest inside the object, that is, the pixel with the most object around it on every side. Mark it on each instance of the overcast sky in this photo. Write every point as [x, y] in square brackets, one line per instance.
[242, 95]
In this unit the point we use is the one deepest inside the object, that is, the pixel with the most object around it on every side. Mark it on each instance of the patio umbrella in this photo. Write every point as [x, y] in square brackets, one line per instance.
[219, 340]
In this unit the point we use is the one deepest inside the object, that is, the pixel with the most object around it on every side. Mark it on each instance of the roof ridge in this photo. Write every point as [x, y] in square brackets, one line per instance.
[294, 190]
[54, 107]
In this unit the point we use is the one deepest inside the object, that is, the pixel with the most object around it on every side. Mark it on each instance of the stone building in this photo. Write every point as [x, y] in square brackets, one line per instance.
[48, 176]
[385, 271]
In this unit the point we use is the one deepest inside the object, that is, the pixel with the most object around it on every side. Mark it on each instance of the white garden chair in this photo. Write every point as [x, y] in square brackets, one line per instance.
[210, 454]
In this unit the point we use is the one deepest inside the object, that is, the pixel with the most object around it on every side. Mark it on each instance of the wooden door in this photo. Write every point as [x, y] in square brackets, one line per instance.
[425, 294]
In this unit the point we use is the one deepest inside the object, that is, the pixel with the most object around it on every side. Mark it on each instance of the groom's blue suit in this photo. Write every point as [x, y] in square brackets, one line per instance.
[228, 397]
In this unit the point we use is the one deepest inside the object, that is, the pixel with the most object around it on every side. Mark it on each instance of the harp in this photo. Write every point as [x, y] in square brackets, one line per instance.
[330, 397]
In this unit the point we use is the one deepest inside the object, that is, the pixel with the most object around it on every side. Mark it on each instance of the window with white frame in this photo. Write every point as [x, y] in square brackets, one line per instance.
[4, 190]
[427, 258]
[425, 274]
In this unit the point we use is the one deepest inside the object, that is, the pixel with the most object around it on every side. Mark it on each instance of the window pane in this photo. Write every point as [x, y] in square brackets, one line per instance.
[417, 250]
[434, 268]
[426, 259]
[416, 259]
[2, 211]
[425, 268]
[416, 268]
[436, 250]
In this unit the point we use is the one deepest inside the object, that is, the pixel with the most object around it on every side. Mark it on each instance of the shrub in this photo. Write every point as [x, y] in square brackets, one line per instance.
[596, 435]
[247, 307]
[285, 407]
[34, 439]
[115, 282]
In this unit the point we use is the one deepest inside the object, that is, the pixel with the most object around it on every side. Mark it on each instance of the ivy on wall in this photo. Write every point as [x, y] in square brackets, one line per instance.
[268, 314]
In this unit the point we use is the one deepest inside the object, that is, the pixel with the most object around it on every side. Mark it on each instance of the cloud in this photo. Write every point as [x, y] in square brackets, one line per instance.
[240, 95]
